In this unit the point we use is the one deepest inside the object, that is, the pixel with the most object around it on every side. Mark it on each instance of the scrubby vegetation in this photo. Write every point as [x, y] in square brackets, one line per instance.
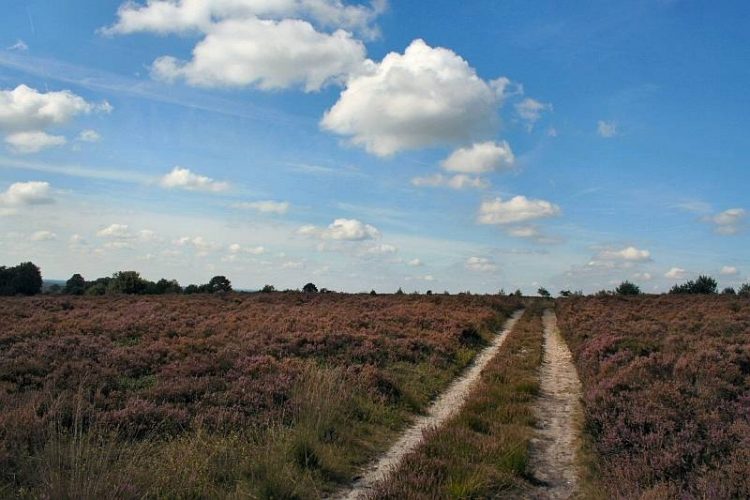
[666, 392]
[249, 395]
[23, 279]
[483, 451]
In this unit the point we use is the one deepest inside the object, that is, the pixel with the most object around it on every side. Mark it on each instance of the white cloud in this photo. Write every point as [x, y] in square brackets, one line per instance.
[532, 233]
[342, 229]
[382, 249]
[415, 263]
[480, 158]
[630, 254]
[181, 16]
[643, 276]
[89, 136]
[117, 231]
[606, 129]
[236, 248]
[676, 273]
[459, 181]
[424, 97]
[729, 221]
[517, 209]
[26, 193]
[199, 243]
[267, 206]
[183, 178]
[43, 236]
[729, 271]
[33, 142]
[266, 54]
[19, 46]
[480, 264]
[26, 109]
[530, 110]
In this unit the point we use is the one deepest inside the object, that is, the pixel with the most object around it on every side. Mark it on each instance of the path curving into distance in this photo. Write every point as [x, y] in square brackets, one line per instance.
[444, 407]
[558, 412]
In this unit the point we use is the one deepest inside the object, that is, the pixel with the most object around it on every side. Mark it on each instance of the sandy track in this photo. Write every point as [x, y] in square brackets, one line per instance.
[441, 410]
[553, 451]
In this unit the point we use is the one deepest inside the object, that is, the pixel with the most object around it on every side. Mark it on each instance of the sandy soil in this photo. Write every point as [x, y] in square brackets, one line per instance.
[553, 451]
[441, 410]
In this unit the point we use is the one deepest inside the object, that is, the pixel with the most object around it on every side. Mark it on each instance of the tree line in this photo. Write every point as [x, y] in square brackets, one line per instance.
[26, 279]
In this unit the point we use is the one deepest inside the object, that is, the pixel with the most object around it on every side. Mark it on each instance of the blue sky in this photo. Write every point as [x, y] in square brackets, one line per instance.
[423, 146]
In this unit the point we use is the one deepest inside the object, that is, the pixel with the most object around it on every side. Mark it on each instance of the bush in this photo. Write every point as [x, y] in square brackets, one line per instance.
[744, 290]
[543, 292]
[627, 288]
[219, 284]
[310, 288]
[268, 289]
[705, 285]
[728, 291]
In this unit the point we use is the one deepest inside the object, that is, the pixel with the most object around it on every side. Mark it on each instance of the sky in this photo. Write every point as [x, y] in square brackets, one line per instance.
[480, 145]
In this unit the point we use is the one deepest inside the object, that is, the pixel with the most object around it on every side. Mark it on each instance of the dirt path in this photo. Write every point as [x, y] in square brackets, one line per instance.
[553, 452]
[443, 408]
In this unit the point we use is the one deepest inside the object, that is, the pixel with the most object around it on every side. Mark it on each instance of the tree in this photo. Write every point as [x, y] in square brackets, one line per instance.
[399, 291]
[373, 292]
[627, 288]
[728, 291]
[543, 292]
[219, 284]
[268, 289]
[127, 282]
[518, 293]
[23, 279]
[565, 293]
[165, 286]
[310, 288]
[744, 290]
[705, 285]
[191, 289]
[76, 285]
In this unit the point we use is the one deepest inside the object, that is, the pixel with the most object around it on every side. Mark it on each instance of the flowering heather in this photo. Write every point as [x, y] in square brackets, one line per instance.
[666, 392]
[256, 394]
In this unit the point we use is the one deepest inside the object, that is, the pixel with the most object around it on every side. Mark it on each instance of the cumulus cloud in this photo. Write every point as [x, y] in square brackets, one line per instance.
[268, 44]
[89, 136]
[729, 271]
[33, 142]
[202, 246]
[480, 158]
[532, 233]
[629, 254]
[184, 16]
[729, 221]
[423, 97]
[118, 231]
[606, 129]
[183, 178]
[382, 249]
[43, 236]
[26, 193]
[415, 263]
[530, 111]
[676, 273]
[643, 276]
[458, 181]
[25, 113]
[268, 55]
[480, 264]
[517, 209]
[343, 230]
[236, 248]
[266, 206]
